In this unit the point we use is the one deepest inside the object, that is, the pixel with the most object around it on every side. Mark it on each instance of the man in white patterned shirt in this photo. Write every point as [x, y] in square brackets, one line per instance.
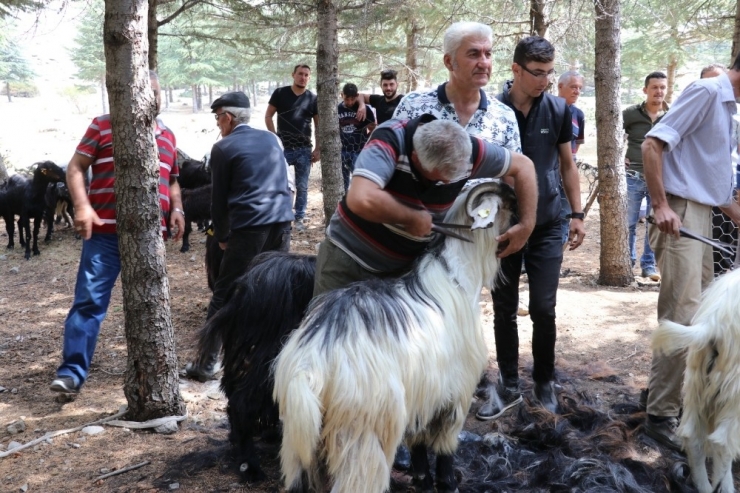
[467, 56]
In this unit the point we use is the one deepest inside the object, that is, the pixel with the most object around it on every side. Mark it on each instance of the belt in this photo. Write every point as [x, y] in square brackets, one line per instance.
[635, 174]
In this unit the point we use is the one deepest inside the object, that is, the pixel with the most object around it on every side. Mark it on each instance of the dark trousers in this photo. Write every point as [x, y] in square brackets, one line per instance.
[245, 244]
[543, 256]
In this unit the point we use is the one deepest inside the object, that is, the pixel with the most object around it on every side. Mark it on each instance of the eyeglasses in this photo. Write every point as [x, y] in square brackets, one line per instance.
[541, 75]
[217, 115]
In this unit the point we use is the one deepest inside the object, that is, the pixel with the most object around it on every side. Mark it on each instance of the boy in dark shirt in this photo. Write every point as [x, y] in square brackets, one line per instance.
[353, 132]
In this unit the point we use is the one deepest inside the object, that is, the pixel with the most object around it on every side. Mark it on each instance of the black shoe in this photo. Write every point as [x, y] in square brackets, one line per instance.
[642, 403]
[663, 430]
[500, 399]
[402, 461]
[66, 385]
[195, 372]
[544, 393]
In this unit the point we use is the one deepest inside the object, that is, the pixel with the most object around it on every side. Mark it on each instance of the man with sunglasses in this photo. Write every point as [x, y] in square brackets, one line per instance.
[251, 205]
[546, 132]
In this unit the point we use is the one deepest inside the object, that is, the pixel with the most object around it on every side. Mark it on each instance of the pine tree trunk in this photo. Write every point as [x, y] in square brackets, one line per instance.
[194, 97]
[412, 55]
[670, 78]
[151, 381]
[152, 34]
[7, 91]
[736, 35]
[537, 18]
[327, 85]
[614, 261]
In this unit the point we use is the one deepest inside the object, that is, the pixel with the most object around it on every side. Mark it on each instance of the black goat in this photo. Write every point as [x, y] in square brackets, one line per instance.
[194, 174]
[214, 255]
[252, 331]
[34, 201]
[11, 205]
[197, 205]
[59, 205]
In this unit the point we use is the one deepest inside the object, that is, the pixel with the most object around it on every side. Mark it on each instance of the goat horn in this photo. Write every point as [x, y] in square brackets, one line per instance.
[488, 186]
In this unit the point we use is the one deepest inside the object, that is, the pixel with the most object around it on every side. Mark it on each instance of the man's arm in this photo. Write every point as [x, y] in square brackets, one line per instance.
[666, 219]
[269, 113]
[177, 219]
[316, 154]
[524, 178]
[572, 187]
[85, 215]
[362, 100]
[366, 199]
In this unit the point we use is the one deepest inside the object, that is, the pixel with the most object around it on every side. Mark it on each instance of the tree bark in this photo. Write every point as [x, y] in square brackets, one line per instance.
[151, 381]
[327, 86]
[412, 55]
[153, 34]
[537, 18]
[736, 34]
[670, 78]
[7, 91]
[614, 259]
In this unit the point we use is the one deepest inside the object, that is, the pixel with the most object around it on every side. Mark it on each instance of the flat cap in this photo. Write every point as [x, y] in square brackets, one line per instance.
[236, 99]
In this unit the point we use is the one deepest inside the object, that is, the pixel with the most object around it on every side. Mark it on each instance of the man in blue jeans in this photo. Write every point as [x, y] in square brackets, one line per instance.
[638, 120]
[95, 222]
[296, 106]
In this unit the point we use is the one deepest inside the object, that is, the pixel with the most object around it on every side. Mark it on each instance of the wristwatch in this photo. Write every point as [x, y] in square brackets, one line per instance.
[576, 215]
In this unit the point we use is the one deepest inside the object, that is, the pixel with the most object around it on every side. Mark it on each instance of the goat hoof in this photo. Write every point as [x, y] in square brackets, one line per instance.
[184, 248]
[10, 247]
[47, 240]
[253, 475]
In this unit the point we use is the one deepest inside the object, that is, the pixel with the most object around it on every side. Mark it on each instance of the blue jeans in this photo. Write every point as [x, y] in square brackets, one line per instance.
[348, 166]
[99, 267]
[300, 159]
[636, 191]
[564, 211]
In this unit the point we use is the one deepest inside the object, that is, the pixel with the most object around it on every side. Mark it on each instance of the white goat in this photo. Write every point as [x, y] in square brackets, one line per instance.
[378, 359]
[710, 425]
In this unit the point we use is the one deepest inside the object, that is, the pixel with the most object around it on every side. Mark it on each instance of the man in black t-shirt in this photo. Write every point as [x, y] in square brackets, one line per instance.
[386, 104]
[296, 106]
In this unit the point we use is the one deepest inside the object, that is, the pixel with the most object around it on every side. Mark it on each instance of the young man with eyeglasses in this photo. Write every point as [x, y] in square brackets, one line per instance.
[251, 206]
[638, 120]
[546, 132]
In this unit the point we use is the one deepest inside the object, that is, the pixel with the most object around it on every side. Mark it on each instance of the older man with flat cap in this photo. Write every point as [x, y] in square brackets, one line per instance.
[251, 205]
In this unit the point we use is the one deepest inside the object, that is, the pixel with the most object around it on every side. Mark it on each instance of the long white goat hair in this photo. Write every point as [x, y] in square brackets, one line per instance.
[710, 424]
[382, 358]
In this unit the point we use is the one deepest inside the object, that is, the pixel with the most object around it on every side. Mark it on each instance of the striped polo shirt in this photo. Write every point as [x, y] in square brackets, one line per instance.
[386, 160]
[98, 145]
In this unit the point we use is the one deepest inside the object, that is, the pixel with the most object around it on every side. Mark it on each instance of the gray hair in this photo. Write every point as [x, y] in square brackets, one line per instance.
[460, 30]
[442, 145]
[566, 76]
[241, 115]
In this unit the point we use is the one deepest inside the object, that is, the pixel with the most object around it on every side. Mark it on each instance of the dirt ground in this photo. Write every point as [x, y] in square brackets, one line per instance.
[603, 346]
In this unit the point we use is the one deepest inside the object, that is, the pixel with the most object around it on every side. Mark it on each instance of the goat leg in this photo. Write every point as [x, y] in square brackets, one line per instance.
[697, 464]
[422, 473]
[722, 472]
[446, 481]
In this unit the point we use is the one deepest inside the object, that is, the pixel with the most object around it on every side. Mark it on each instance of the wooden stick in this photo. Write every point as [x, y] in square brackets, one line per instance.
[617, 360]
[57, 433]
[121, 471]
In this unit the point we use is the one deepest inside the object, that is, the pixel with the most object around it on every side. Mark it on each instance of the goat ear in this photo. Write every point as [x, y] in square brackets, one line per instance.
[484, 214]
